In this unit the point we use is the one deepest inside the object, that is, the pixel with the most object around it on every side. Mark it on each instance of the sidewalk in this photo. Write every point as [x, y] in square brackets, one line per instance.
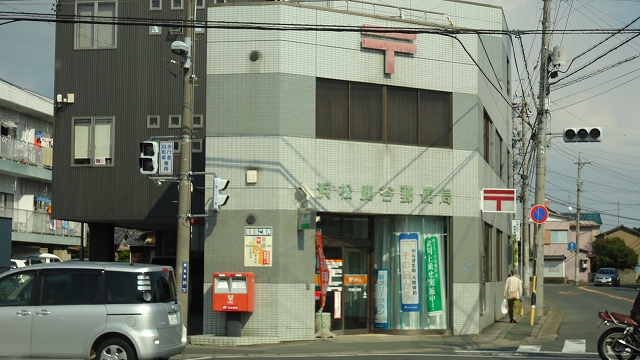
[500, 333]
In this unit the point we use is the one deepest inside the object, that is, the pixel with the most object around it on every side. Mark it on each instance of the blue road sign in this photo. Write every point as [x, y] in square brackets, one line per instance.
[571, 246]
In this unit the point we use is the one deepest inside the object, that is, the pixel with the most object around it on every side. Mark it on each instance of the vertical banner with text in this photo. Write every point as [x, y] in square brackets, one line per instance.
[409, 284]
[323, 270]
[381, 299]
[432, 272]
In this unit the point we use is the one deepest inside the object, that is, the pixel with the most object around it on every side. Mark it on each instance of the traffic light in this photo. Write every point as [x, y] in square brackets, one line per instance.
[219, 199]
[583, 134]
[148, 157]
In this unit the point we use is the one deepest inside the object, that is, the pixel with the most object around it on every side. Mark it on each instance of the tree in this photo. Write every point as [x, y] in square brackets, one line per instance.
[614, 252]
[124, 256]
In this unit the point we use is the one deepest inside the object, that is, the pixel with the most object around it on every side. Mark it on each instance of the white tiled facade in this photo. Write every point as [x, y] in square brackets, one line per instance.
[261, 115]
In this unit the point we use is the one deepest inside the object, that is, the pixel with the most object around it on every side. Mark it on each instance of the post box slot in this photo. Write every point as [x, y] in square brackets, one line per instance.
[221, 286]
[239, 286]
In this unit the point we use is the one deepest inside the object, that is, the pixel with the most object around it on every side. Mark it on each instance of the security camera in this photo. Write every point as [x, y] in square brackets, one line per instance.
[307, 192]
[180, 48]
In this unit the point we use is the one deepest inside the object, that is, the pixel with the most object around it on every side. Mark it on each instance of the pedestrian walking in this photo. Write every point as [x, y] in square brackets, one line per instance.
[512, 292]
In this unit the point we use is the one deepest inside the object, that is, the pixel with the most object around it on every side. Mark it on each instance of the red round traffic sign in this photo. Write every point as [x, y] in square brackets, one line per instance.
[539, 214]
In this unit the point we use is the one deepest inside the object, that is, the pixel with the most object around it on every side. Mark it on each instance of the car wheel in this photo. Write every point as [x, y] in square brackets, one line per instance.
[115, 348]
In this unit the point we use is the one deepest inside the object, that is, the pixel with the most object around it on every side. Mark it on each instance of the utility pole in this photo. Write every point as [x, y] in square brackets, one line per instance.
[183, 241]
[537, 296]
[524, 196]
[580, 165]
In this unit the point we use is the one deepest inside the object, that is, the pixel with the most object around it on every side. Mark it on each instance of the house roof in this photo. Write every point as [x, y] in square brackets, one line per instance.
[621, 228]
[595, 217]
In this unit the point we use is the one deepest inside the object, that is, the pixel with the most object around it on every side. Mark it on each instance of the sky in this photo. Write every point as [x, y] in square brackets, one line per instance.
[607, 97]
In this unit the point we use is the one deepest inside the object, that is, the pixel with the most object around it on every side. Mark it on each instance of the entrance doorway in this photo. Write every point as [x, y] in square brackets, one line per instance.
[348, 295]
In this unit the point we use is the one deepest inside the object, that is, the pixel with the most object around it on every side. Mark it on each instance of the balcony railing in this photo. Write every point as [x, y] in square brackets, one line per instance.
[37, 222]
[25, 152]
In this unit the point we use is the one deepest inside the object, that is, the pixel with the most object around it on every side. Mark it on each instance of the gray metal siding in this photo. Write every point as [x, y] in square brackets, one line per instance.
[130, 82]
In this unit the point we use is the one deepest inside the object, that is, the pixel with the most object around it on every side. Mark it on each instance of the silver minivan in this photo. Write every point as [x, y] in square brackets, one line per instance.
[90, 310]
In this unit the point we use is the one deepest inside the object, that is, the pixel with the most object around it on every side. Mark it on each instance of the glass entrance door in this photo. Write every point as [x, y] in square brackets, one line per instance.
[355, 289]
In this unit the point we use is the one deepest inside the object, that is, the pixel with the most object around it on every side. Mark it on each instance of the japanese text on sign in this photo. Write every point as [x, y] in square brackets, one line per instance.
[406, 194]
[258, 243]
[409, 272]
[432, 264]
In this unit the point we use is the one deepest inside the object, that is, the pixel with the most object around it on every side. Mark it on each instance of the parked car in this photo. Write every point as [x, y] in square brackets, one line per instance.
[607, 276]
[15, 263]
[38, 258]
[90, 310]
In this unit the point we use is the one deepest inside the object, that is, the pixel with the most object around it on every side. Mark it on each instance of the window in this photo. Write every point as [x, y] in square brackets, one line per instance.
[332, 110]
[365, 112]
[92, 35]
[133, 288]
[155, 4]
[435, 119]
[93, 141]
[176, 4]
[488, 125]
[402, 116]
[16, 290]
[197, 121]
[196, 146]
[200, 4]
[71, 287]
[559, 236]
[499, 249]
[377, 113]
[153, 121]
[175, 121]
[176, 30]
[155, 30]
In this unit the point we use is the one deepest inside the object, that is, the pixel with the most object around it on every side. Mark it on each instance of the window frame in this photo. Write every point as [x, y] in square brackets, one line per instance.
[94, 28]
[344, 112]
[155, 8]
[149, 123]
[200, 123]
[158, 30]
[171, 125]
[179, 7]
[196, 148]
[91, 141]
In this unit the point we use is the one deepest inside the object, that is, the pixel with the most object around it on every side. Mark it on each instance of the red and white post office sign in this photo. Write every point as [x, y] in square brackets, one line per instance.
[498, 200]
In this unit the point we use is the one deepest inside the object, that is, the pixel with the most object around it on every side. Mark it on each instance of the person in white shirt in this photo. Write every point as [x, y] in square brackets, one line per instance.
[512, 291]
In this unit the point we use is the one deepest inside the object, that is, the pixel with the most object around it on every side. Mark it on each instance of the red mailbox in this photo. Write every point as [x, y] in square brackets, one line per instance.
[233, 291]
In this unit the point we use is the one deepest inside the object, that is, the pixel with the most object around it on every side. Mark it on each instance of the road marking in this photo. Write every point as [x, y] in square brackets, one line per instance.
[603, 293]
[575, 346]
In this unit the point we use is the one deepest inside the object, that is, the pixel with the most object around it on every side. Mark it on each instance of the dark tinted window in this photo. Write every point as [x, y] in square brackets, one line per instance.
[366, 112]
[435, 119]
[71, 287]
[402, 116]
[380, 113]
[332, 110]
[131, 288]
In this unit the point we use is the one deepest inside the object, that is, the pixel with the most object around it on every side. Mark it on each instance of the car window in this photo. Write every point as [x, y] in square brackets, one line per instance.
[16, 290]
[131, 288]
[71, 287]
